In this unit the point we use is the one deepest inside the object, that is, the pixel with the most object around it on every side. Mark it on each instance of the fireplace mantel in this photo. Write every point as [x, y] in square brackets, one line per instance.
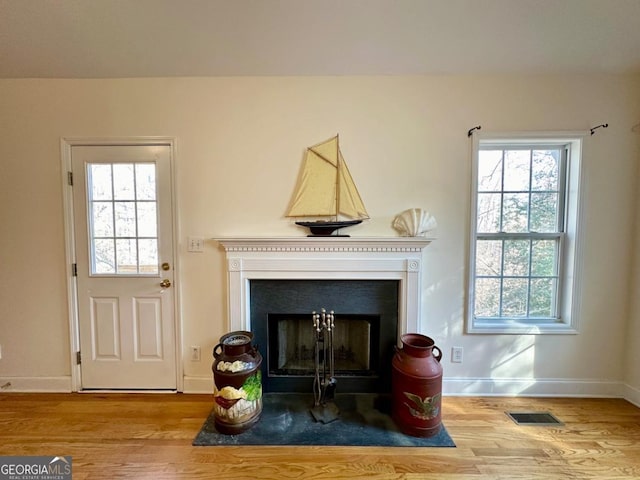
[331, 258]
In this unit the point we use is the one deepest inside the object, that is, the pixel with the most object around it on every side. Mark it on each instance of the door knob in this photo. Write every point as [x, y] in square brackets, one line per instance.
[166, 283]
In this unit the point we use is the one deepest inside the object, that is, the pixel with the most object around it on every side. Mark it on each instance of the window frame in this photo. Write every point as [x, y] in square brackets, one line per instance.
[570, 243]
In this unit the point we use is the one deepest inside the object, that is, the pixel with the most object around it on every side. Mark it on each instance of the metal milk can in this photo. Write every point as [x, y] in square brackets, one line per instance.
[416, 386]
[238, 383]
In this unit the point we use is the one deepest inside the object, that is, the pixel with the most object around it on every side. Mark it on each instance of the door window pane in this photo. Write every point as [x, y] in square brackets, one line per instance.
[145, 181]
[123, 181]
[147, 224]
[127, 256]
[123, 225]
[125, 215]
[148, 255]
[104, 255]
[102, 218]
[101, 185]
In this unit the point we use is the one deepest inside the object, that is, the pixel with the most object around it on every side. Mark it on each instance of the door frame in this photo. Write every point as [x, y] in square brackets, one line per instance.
[66, 144]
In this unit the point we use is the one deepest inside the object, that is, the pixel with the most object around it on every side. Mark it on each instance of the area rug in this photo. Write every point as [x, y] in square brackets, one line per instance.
[364, 420]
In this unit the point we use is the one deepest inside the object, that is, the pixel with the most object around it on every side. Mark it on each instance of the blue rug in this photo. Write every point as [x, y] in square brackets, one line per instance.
[286, 420]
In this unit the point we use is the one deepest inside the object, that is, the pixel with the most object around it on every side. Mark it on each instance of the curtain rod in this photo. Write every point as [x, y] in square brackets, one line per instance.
[470, 132]
[602, 125]
[592, 130]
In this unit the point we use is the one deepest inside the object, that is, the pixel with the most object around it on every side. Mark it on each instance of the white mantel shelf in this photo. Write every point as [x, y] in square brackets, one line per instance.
[329, 244]
[325, 258]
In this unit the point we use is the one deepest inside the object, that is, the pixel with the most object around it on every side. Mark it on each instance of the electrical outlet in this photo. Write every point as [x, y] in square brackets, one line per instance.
[195, 353]
[456, 354]
[195, 244]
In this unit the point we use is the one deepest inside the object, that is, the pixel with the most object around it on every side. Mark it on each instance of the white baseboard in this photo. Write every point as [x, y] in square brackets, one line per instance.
[63, 384]
[529, 387]
[450, 386]
[36, 384]
[193, 384]
[631, 394]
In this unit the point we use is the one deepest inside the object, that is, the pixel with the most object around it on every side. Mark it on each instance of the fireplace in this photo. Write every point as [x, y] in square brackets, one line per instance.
[371, 284]
[366, 325]
[291, 345]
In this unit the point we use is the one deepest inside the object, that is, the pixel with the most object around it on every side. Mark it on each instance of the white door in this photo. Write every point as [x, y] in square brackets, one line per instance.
[122, 209]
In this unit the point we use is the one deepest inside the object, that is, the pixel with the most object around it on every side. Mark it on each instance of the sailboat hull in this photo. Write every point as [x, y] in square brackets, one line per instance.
[325, 229]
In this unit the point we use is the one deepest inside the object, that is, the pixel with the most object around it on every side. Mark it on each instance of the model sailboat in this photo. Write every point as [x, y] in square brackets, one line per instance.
[326, 189]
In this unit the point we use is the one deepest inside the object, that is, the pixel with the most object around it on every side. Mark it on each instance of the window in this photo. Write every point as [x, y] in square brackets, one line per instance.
[524, 246]
[122, 218]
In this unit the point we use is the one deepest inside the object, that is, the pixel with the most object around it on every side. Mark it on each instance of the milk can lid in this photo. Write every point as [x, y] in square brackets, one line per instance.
[237, 339]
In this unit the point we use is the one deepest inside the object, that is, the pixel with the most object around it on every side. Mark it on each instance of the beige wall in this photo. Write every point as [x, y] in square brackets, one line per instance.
[240, 146]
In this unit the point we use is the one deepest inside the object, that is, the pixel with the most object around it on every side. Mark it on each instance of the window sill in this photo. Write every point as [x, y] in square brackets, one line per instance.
[517, 328]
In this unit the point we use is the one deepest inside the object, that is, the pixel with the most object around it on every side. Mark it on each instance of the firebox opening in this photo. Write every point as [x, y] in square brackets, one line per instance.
[366, 320]
[292, 345]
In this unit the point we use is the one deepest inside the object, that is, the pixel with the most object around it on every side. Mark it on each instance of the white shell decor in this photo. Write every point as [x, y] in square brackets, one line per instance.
[414, 222]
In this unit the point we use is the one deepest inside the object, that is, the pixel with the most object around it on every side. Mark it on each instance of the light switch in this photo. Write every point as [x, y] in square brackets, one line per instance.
[195, 244]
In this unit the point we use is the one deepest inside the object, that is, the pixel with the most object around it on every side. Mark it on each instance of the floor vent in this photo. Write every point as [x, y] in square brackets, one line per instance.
[534, 418]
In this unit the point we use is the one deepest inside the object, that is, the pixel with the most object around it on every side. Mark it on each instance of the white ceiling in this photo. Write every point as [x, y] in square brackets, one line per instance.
[144, 38]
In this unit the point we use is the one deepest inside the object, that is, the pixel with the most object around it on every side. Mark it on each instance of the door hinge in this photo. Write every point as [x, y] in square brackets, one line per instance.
[78, 358]
[74, 269]
[70, 178]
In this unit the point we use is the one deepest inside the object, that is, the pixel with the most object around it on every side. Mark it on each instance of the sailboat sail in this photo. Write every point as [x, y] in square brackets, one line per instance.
[349, 201]
[326, 187]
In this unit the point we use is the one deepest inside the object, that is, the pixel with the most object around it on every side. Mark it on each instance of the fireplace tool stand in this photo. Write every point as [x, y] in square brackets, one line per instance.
[324, 383]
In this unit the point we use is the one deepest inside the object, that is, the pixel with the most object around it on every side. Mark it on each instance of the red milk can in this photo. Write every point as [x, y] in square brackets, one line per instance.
[416, 386]
[238, 383]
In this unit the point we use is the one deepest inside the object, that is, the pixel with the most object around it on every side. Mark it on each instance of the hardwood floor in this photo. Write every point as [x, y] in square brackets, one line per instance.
[148, 436]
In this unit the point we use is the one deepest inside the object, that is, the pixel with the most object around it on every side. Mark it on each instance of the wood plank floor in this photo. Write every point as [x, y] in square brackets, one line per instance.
[148, 436]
